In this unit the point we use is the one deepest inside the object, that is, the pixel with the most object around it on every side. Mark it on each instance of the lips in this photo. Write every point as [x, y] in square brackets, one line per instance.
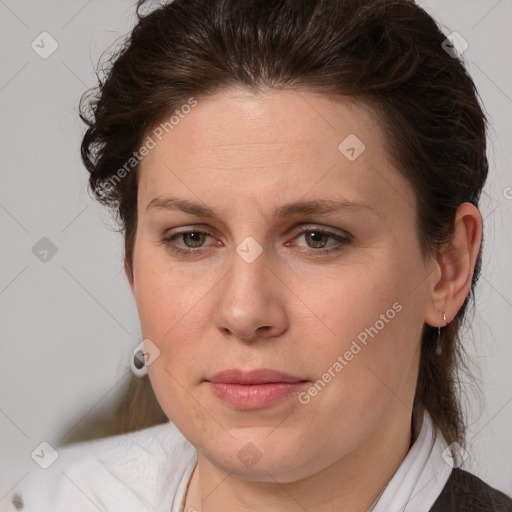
[252, 377]
[254, 389]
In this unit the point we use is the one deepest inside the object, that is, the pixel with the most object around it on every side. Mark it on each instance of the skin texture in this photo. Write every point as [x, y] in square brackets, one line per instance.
[291, 309]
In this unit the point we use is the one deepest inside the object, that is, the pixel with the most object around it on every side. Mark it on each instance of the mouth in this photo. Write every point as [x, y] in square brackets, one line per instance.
[252, 377]
[254, 389]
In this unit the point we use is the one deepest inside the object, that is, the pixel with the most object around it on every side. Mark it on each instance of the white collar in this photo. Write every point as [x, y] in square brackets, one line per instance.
[421, 477]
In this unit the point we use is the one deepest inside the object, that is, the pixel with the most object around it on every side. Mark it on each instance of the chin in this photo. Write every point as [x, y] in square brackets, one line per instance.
[258, 458]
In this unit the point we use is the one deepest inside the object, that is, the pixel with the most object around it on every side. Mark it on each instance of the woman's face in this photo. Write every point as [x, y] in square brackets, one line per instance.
[301, 257]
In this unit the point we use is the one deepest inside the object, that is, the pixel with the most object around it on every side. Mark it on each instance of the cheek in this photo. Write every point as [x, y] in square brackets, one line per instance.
[162, 293]
[369, 331]
[173, 311]
[172, 319]
[170, 316]
[351, 301]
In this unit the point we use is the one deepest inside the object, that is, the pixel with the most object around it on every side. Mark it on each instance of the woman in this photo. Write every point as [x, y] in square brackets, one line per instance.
[298, 184]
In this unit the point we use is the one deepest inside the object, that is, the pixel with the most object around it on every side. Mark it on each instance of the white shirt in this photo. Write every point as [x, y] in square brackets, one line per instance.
[149, 470]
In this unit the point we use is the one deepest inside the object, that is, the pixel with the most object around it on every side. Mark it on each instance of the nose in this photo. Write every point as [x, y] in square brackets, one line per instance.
[251, 302]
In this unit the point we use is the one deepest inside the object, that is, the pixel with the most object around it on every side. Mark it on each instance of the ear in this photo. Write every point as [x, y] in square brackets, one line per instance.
[129, 276]
[455, 265]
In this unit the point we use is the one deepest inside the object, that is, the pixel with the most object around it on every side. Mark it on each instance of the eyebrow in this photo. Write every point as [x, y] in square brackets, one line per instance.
[319, 206]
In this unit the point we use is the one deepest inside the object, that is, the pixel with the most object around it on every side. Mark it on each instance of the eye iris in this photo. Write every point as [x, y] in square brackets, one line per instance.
[316, 234]
[196, 236]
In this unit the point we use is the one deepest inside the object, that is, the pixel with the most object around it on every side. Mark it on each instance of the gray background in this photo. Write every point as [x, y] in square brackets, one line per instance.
[68, 325]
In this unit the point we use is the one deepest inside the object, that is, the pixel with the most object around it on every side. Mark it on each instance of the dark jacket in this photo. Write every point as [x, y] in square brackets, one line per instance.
[465, 492]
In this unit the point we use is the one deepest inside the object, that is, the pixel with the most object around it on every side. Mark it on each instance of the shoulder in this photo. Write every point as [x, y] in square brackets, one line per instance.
[465, 492]
[135, 471]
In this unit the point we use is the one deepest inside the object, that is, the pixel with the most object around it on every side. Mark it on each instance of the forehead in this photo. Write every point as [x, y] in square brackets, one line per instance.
[237, 119]
[293, 143]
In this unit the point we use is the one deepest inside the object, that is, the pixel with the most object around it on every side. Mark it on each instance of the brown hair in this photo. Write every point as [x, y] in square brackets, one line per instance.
[388, 54]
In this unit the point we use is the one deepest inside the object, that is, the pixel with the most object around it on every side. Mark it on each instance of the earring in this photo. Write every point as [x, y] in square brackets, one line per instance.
[438, 347]
[138, 363]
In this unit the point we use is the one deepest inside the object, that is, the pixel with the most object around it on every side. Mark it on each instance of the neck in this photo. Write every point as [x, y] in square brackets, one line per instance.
[352, 484]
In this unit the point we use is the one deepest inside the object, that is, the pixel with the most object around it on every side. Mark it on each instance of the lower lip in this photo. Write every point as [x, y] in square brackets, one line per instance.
[254, 396]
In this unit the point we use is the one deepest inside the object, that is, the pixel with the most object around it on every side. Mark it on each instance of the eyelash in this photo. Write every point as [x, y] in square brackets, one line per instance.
[344, 240]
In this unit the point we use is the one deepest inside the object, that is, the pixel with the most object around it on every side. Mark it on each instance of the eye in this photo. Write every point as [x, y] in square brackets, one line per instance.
[193, 240]
[317, 238]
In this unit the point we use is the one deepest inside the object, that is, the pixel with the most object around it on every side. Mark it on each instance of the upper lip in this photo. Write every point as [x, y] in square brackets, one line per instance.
[257, 376]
